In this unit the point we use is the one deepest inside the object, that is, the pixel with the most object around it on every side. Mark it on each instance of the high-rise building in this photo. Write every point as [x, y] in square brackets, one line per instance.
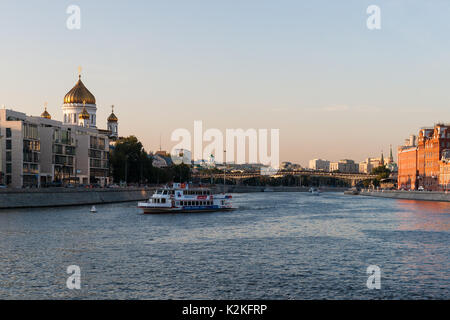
[369, 164]
[344, 166]
[319, 164]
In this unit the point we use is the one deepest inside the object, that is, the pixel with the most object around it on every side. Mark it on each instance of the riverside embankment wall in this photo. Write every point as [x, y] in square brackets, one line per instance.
[56, 197]
[53, 197]
[409, 195]
[246, 189]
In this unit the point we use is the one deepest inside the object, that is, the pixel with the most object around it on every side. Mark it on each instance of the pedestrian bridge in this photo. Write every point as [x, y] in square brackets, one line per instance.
[238, 177]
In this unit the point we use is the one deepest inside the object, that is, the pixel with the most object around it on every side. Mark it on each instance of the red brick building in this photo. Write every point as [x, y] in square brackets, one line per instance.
[407, 167]
[420, 163]
[444, 174]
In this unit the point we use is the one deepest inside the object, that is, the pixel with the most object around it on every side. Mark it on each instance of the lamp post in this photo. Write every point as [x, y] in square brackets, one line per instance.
[1, 159]
[224, 168]
[126, 169]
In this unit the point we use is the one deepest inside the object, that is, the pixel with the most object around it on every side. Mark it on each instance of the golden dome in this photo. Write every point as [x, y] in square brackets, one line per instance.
[45, 114]
[79, 94]
[112, 117]
[84, 114]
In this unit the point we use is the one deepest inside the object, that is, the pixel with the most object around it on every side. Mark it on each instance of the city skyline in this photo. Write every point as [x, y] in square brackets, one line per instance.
[335, 89]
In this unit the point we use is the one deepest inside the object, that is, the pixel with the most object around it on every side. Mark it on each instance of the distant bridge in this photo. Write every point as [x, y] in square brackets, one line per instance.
[237, 177]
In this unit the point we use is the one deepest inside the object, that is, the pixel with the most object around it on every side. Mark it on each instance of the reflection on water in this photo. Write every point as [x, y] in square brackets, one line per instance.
[424, 215]
[276, 246]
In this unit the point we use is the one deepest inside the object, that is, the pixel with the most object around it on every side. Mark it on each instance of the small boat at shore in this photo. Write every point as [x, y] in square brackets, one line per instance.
[183, 198]
[351, 191]
[314, 191]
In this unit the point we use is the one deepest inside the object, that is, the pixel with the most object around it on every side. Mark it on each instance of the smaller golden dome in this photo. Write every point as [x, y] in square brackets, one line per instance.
[112, 117]
[45, 114]
[84, 114]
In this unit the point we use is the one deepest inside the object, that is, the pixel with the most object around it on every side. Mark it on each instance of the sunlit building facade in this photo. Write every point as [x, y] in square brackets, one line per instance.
[419, 162]
[38, 151]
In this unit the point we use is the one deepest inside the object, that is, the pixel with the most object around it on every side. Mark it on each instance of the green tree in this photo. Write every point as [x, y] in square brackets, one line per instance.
[382, 173]
[130, 162]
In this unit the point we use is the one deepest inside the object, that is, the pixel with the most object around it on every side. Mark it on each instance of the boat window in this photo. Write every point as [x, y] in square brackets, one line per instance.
[163, 200]
[178, 203]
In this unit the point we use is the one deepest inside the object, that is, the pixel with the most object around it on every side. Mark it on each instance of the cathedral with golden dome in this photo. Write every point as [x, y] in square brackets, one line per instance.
[78, 102]
[71, 151]
[80, 108]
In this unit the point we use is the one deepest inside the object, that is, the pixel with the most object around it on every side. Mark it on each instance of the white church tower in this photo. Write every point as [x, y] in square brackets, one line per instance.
[113, 125]
[77, 103]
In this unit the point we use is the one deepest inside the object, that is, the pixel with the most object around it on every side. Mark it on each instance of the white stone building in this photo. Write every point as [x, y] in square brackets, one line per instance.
[319, 164]
[36, 151]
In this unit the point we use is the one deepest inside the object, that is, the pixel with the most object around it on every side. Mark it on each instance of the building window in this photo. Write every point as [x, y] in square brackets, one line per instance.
[8, 145]
[8, 132]
[8, 156]
[8, 168]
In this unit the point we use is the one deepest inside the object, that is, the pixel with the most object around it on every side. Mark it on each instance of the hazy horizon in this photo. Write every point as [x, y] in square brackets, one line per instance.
[334, 88]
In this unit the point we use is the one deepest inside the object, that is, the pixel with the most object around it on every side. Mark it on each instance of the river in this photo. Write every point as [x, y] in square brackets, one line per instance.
[275, 246]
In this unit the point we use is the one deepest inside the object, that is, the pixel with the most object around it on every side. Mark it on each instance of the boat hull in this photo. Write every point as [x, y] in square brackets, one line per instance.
[150, 210]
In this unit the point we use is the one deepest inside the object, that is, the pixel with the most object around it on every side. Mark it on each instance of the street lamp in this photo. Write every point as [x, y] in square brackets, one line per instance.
[224, 168]
[126, 169]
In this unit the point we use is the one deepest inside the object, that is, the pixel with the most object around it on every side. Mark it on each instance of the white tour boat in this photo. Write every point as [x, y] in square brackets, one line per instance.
[182, 198]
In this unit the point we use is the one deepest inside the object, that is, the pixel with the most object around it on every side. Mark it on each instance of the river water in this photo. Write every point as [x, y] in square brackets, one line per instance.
[276, 246]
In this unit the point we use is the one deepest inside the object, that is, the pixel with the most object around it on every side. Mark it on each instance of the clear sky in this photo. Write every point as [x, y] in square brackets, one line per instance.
[312, 69]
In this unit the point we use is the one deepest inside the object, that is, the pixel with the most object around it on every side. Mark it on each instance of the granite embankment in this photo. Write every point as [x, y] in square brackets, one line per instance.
[248, 189]
[54, 197]
[409, 195]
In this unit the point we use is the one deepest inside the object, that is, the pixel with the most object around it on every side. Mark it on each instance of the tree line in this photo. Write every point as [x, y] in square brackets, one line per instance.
[129, 162]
